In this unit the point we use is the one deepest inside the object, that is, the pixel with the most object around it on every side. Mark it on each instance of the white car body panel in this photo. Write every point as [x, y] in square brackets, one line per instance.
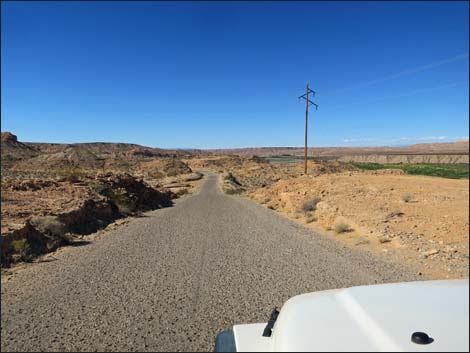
[249, 338]
[368, 318]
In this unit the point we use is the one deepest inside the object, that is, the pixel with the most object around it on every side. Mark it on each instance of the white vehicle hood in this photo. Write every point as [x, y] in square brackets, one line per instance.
[368, 318]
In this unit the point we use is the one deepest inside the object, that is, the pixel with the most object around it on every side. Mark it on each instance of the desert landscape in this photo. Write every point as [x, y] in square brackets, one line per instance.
[234, 176]
[56, 194]
[417, 220]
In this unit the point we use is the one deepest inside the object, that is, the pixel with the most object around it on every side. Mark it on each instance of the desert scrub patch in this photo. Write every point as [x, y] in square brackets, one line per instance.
[21, 246]
[100, 189]
[231, 178]
[182, 192]
[52, 226]
[232, 191]
[407, 197]
[362, 242]
[383, 240]
[120, 199]
[265, 200]
[310, 205]
[341, 226]
[71, 174]
[48, 225]
[310, 218]
[124, 204]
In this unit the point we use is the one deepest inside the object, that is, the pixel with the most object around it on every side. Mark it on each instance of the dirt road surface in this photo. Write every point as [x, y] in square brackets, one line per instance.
[174, 278]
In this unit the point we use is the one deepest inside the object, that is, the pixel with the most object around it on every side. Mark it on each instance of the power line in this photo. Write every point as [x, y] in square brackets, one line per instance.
[308, 103]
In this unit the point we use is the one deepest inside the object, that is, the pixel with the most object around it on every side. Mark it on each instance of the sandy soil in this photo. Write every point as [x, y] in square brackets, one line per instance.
[415, 219]
[418, 220]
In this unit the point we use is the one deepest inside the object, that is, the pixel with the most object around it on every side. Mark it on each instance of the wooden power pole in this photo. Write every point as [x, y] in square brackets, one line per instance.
[308, 102]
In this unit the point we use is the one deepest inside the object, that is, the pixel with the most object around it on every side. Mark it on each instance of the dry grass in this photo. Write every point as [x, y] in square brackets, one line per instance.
[182, 192]
[232, 191]
[342, 227]
[362, 242]
[407, 197]
[383, 240]
[310, 205]
[310, 218]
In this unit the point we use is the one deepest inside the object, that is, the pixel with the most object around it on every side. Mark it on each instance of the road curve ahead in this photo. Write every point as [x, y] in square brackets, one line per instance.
[174, 278]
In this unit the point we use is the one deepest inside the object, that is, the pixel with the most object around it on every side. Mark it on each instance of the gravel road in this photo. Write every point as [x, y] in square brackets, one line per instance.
[172, 279]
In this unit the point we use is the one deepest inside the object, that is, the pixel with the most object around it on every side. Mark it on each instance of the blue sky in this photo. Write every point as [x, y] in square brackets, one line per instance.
[228, 74]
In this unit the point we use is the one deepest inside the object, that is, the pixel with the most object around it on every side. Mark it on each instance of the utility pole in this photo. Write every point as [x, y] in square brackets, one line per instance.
[308, 102]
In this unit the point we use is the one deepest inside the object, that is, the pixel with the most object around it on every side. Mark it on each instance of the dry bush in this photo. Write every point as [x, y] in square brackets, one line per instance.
[48, 225]
[70, 174]
[182, 192]
[310, 218]
[232, 191]
[231, 178]
[342, 227]
[265, 200]
[311, 204]
[407, 197]
[52, 226]
[362, 242]
[383, 240]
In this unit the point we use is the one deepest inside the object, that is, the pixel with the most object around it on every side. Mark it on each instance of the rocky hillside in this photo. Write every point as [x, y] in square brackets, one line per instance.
[52, 193]
[45, 159]
[13, 151]
[39, 216]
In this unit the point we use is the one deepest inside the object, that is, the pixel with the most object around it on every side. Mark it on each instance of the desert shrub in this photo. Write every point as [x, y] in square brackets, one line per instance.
[73, 178]
[182, 192]
[52, 226]
[231, 178]
[70, 174]
[310, 205]
[100, 189]
[342, 227]
[392, 215]
[172, 172]
[407, 197]
[48, 225]
[232, 191]
[362, 242]
[118, 197]
[310, 218]
[384, 240]
[124, 204]
[21, 246]
[265, 200]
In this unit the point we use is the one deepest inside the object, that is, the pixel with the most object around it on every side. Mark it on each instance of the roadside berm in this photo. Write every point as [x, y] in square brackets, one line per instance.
[96, 202]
